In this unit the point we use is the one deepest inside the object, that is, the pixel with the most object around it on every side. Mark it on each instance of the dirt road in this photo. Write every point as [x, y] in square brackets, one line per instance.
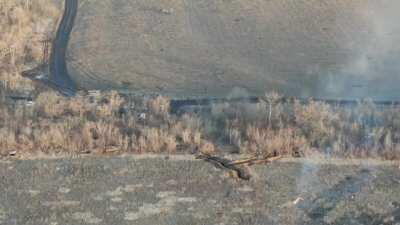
[59, 76]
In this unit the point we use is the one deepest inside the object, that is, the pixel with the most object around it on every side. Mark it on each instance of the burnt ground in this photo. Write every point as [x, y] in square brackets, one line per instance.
[180, 190]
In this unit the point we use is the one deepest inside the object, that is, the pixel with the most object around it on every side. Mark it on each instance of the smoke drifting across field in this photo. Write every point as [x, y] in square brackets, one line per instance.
[375, 69]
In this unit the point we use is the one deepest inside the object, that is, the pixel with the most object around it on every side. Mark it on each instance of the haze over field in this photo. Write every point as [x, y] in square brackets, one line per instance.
[333, 49]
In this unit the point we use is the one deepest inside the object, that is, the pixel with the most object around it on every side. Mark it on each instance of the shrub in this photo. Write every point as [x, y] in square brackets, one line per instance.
[51, 104]
[159, 106]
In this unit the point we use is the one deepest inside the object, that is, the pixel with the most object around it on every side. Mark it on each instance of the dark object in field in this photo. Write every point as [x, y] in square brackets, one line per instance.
[255, 160]
[240, 172]
[225, 164]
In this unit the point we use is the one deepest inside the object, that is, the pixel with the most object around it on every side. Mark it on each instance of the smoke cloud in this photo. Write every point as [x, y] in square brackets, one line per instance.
[375, 72]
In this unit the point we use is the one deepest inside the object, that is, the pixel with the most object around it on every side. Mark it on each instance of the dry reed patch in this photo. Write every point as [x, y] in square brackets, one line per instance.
[159, 106]
[109, 104]
[24, 24]
[114, 123]
[156, 141]
[51, 104]
[268, 142]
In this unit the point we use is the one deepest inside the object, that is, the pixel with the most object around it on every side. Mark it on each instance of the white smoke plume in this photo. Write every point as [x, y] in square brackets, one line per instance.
[375, 71]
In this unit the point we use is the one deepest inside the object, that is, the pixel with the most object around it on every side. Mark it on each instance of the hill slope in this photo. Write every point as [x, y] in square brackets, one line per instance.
[189, 48]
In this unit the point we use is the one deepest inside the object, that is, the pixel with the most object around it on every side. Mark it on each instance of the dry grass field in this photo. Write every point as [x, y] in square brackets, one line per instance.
[331, 49]
[321, 48]
[24, 24]
[110, 123]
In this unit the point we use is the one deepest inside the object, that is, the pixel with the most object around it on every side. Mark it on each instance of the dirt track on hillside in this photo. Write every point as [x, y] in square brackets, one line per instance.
[59, 76]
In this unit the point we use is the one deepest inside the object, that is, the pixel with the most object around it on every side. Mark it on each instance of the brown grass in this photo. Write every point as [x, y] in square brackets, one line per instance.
[112, 123]
[23, 25]
[107, 123]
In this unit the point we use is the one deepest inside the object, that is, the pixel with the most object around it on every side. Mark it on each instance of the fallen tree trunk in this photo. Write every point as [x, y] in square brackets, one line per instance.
[236, 166]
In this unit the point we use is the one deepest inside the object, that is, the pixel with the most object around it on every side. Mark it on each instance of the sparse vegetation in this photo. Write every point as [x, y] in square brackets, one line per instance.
[112, 123]
[24, 24]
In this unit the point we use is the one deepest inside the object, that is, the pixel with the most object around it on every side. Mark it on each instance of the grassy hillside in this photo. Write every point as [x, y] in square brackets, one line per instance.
[342, 48]
[23, 25]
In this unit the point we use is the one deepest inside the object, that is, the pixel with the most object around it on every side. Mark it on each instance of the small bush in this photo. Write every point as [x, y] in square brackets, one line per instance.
[159, 106]
[51, 104]
[156, 141]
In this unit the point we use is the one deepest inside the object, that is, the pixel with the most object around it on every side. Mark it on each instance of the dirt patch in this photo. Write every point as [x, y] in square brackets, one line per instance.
[86, 217]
